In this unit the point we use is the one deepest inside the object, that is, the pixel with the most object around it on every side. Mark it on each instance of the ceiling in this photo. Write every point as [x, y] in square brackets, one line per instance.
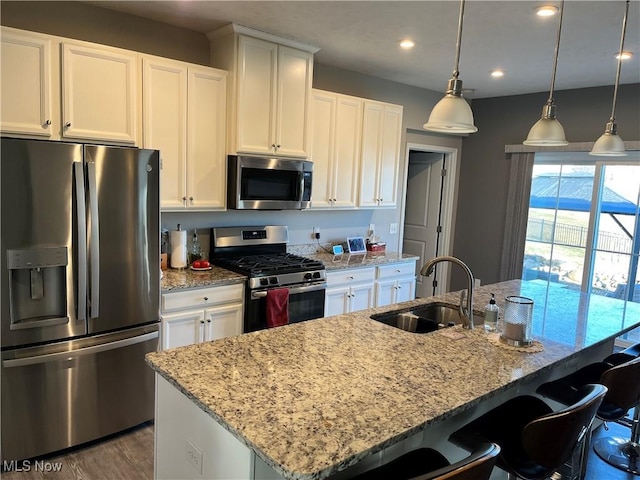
[363, 36]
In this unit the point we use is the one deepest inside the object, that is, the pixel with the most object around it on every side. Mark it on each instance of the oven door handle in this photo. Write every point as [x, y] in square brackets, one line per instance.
[292, 290]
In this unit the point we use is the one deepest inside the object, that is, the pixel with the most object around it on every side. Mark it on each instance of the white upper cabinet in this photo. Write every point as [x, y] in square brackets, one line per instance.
[27, 83]
[336, 132]
[381, 135]
[184, 116]
[206, 135]
[99, 94]
[270, 94]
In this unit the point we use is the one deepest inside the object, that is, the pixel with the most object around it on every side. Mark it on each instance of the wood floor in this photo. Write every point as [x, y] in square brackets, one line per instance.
[129, 456]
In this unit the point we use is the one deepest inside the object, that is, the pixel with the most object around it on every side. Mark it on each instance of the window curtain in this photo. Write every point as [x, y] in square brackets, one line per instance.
[515, 225]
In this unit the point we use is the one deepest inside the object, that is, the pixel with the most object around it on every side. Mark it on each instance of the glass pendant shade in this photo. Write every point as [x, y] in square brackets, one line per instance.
[547, 131]
[609, 144]
[452, 114]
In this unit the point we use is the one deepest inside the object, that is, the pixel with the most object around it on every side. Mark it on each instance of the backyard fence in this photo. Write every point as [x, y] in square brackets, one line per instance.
[540, 230]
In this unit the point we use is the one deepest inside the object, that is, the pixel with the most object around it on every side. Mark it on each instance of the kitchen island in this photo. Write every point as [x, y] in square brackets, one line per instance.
[309, 400]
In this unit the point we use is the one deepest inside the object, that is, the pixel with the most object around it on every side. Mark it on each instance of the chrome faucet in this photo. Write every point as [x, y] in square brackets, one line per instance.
[466, 314]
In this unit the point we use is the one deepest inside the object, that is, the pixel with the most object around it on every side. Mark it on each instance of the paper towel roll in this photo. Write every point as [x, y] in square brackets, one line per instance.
[178, 240]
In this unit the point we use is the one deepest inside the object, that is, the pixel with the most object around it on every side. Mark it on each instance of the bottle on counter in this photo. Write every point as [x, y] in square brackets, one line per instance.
[196, 251]
[491, 315]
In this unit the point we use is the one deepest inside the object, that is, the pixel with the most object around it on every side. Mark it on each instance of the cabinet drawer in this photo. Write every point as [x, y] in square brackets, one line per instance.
[350, 276]
[202, 297]
[396, 270]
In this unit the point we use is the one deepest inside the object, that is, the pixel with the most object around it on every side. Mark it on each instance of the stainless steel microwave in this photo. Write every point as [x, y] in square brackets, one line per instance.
[266, 183]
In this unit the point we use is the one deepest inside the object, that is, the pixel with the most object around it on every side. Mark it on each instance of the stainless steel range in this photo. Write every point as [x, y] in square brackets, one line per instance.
[260, 253]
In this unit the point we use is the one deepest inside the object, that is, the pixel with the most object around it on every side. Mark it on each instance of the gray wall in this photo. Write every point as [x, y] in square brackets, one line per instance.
[95, 24]
[484, 171]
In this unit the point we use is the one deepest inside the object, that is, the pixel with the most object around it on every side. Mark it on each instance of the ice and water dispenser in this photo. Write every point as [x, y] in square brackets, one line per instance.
[37, 287]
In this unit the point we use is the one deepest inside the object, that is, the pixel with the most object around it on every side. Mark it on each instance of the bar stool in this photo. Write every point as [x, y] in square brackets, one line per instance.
[623, 383]
[535, 440]
[429, 464]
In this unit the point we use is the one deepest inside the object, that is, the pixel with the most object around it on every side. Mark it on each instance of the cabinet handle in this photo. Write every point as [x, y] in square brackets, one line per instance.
[209, 321]
[277, 146]
[191, 200]
[351, 277]
[397, 271]
[202, 322]
[67, 125]
[206, 299]
[184, 199]
[46, 124]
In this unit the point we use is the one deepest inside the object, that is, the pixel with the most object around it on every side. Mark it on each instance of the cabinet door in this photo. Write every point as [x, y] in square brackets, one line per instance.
[26, 84]
[164, 107]
[182, 328]
[223, 321]
[99, 93]
[322, 147]
[256, 95]
[389, 159]
[348, 134]
[293, 93]
[405, 289]
[371, 147]
[385, 292]
[206, 133]
[362, 297]
[336, 301]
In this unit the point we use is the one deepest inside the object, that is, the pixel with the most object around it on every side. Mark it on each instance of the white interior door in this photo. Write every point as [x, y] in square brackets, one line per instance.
[423, 212]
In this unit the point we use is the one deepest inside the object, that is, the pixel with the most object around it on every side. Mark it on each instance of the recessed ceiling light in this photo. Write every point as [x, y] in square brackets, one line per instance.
[624, 56]
[546, 11]
[407, 44]
[497, 73]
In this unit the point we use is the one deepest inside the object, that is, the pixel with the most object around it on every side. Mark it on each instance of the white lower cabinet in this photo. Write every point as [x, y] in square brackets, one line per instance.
[349, 290]
[201, 315]
[395, 283]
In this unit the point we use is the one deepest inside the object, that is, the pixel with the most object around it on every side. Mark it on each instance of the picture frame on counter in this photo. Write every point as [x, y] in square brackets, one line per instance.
[356, 245]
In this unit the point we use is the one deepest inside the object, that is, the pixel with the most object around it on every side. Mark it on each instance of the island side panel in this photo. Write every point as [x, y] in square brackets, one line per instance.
[189, 444]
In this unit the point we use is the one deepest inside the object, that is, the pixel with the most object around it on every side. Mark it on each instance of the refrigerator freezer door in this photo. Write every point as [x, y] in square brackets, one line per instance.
[124, 236]
[41, 253]
[77, 391]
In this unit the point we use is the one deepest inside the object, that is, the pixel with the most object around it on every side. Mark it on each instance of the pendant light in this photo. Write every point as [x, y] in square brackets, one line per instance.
[548, 131]
[453, 114]
[610, 144]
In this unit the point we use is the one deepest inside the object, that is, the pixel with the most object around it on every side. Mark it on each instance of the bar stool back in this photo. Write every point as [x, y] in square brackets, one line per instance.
[429, 464]
[535, 440]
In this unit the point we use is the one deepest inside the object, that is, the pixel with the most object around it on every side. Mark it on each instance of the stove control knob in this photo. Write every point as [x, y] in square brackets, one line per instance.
[264, 281]
[316, 275]
[273, 280]
[308, 276]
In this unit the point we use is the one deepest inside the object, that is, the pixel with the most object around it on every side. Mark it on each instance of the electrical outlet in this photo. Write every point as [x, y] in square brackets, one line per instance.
[372, 229]
[194, 456]
[316, 233]
[393, 228]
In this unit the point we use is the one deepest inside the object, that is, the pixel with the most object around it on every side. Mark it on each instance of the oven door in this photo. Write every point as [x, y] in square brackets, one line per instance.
[305, 303]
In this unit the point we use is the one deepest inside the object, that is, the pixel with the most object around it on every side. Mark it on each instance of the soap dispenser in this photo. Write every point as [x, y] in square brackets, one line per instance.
[491, 315]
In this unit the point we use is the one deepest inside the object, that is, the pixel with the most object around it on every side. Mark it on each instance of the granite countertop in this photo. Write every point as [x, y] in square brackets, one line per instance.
[315, 397]
[187, 278]
[369, 259]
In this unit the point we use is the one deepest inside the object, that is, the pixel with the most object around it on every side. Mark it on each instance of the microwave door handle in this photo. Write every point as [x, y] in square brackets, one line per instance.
[95, 241]
[81, 220]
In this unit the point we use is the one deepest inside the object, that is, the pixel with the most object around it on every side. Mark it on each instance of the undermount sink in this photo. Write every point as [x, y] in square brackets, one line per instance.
[423, 319]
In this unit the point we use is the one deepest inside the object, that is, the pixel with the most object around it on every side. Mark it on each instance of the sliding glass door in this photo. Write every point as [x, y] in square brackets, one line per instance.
[583, 235]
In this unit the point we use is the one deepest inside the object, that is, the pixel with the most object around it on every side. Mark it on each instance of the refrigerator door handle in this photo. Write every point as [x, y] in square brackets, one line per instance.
[73, 354]
[94, 247]
[81, 218]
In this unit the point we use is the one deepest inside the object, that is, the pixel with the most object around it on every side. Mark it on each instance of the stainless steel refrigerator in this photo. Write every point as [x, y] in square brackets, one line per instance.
[80, 278]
